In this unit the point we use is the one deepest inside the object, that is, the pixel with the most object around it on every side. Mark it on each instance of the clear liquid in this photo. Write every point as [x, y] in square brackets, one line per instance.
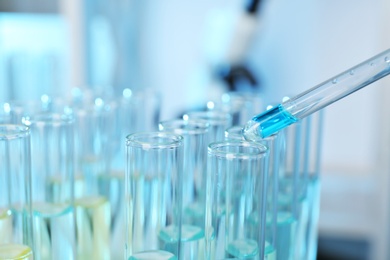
[147, 213]
[111, 186]
[269, 252]
[314, 209]
[153, 254]
[243, 248]
[54, 231]
[268, 123]
[286, 232]
[302, 227]
[93, 228]
[194, 214]
[192, 241]
[5, 226]
[15, 252]
[91, 167]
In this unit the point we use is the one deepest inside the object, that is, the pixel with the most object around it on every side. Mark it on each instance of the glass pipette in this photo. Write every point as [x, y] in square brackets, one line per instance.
[292, 110]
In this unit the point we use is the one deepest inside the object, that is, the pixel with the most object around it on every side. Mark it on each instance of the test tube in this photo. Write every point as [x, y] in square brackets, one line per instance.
[95, 186]
[292, 206]
[219, 121]
[13, 112]
[16, 229]
[236, 200]
[240, 105]
[153, 190]
[52, 186]
[194, 180]
[140, 110]
[312, 139]
[275, 156]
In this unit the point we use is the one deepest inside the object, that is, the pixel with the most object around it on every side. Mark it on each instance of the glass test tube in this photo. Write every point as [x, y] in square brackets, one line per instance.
[218, 121]
[52, 186]
[310, 175]
[16, 239]
[236, 200]
[95, 185]
[275, 152]
[142, 109]
[194, 180]
[136, 111]
[240, 105]
[292, 206]
[13, 112]
[153, 189]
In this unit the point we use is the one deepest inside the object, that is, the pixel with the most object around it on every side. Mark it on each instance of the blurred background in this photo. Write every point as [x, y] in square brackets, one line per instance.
[191, 52]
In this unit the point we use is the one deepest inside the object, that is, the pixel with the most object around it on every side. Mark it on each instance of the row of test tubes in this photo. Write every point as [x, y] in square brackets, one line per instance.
[99, 177]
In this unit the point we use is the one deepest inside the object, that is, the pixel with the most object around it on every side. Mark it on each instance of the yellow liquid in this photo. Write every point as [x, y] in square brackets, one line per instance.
[93, 227]
[15, 252]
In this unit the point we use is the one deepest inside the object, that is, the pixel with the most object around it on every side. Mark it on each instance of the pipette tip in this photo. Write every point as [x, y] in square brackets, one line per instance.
[268, 123]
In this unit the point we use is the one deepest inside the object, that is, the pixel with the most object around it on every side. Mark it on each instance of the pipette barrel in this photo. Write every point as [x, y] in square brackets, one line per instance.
[320, 96]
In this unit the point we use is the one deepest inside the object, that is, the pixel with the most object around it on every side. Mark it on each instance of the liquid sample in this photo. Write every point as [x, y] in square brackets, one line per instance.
[269, 249]
[15, 252]
[59, 189]
[91, 167]
[192, 241]
[243, 248]
[93, 228]
[5, 226]
[268, 123]
[314, 209]
[194, 214]
[153, 254]
[286, 230]
[54, 231]
[147, 211]
[112, 187]
[269, 252]
[302, 227]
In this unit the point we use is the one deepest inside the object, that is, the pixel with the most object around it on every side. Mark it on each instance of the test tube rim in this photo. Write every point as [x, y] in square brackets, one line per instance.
[56, 119]
[15, 131]
[213, 117]
[133, 140]
[262, 150]
[178, 126]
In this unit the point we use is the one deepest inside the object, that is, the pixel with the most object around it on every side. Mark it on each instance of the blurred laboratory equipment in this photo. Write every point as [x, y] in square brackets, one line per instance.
[16, 221]
[153, 192]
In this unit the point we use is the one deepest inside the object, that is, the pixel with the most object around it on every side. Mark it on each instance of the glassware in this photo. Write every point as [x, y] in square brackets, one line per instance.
[16, 226]
[236, 200]
[194, 180]
[218, 121]
[311, 185]
[240, 105]
[294, 109]
[97, 191]
[275, 157]
[153, 192]
[141, 109]
[52, 152]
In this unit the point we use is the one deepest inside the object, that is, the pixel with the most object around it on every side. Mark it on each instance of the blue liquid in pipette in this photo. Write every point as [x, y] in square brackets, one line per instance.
[273, 120]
